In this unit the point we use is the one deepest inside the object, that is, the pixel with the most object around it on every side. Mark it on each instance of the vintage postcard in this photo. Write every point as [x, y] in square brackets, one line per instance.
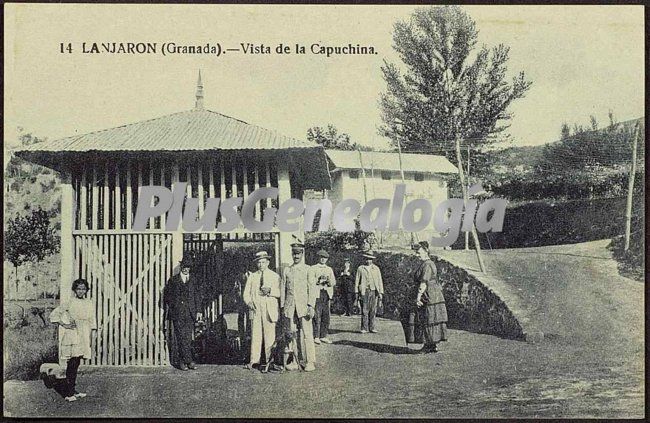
[324, 211]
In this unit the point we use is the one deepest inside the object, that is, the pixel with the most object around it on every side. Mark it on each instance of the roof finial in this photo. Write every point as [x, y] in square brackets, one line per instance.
[199, 93]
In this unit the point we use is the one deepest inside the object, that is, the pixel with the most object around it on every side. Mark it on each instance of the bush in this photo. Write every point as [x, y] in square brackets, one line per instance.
[631, 263]
[470, 304]
[554, 223]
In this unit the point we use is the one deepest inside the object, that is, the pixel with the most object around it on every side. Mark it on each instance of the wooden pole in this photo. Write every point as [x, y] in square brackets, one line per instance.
[468, 183]
[630, 190]
[401, 172]
[465, 199]
[363, 175]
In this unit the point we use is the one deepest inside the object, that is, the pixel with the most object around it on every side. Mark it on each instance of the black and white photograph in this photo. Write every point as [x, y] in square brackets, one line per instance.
[324, 211]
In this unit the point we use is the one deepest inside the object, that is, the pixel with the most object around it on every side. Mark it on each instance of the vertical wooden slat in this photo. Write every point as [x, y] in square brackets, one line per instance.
[106, 296]
[110, 289]
[154, 297]
[146, 299]
[83, 206]
[138, 301]
[200, 190]
[245, 181]
[140, 178]
[122, 287]
[129, 199]
[258, 212]
[222, 182]
[94, 199]
[106, 188]
[162, 184]
[118, 200]
[131, 298]
[168, 274]
[151, 219]
[114, 239]
[98, 244]
[189, 181]
[115, 259]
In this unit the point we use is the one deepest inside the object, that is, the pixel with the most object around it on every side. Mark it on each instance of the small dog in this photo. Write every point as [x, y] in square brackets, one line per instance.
[282, 352]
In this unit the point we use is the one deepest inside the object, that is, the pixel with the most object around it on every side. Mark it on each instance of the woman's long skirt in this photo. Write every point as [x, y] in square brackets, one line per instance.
[435, 323]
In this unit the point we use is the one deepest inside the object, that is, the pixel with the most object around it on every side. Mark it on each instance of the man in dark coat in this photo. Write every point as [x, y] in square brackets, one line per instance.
[182, 301]
[347, 290]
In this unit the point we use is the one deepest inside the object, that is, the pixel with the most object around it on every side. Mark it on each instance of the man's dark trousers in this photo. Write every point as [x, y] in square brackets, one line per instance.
[322, 317]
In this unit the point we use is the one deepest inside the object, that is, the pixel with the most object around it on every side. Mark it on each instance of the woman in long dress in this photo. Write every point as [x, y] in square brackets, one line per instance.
[430, 300]
[76, 317]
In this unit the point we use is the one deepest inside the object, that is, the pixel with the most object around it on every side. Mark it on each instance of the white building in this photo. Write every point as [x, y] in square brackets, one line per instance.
[424, 175]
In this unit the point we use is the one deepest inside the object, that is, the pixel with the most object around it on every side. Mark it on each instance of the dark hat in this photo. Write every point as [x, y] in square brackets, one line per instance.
[421, 244]
[368, 255]
[323, 253]
[262, 255]
[186, 262]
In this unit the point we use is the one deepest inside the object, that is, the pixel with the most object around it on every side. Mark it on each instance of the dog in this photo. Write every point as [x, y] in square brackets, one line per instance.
[282, 352]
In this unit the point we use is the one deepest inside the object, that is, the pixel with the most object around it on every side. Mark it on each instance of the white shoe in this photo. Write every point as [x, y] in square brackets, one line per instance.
[364, 331]
[292, 366]
[310, 367]
[325, 340]
[71, 398]
[80, 394]
[317, 341]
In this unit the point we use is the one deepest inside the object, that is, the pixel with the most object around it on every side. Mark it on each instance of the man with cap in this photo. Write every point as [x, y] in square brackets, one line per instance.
[299, 293]
[183, 305]
[347, 287]
[261, 295]
[324, 277]
[370, 287]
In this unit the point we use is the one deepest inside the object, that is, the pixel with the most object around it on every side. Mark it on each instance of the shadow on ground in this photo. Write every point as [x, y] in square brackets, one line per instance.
[380, 348]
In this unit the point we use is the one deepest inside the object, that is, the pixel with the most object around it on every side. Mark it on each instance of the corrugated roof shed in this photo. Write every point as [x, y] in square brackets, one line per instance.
[390, 161]
[192, 130]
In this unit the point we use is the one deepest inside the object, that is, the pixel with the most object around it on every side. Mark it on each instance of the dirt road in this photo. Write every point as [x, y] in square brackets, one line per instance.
[591, 364]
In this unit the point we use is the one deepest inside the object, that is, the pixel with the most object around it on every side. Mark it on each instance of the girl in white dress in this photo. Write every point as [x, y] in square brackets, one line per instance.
[76, 319]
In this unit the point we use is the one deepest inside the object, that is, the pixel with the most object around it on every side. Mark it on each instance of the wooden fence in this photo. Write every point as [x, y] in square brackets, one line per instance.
[127, 275]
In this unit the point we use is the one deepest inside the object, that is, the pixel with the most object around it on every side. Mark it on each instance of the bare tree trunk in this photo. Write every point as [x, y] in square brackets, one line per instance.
[477, 245]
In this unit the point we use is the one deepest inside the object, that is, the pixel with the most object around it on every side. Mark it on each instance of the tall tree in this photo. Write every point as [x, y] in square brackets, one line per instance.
[29, 239]
[445, 97]
[331, 138]
[440, 93]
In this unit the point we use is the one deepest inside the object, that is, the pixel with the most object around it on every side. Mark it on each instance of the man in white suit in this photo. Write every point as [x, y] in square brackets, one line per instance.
[261, 295]
[299, 292]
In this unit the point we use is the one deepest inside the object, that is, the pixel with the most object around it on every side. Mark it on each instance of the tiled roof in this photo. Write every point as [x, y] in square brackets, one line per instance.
[390, 161]
[192, 130]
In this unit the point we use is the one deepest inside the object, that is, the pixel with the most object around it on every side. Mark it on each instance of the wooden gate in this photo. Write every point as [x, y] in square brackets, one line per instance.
[127, 274]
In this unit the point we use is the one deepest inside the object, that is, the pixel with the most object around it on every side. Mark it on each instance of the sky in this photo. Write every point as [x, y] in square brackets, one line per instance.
[582, 60]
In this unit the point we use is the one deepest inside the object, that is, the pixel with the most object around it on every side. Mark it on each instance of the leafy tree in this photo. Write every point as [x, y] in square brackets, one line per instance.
[330, 138]
[442, 95]
[593, 122]
[29, 239]
[565, 132]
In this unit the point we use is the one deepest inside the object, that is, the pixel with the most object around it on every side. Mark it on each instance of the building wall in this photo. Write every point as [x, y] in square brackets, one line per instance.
[433, 187]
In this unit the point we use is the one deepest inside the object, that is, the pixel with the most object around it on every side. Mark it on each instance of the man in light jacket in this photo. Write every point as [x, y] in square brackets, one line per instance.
[261, 295]
[299, 293]
[369, 285]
